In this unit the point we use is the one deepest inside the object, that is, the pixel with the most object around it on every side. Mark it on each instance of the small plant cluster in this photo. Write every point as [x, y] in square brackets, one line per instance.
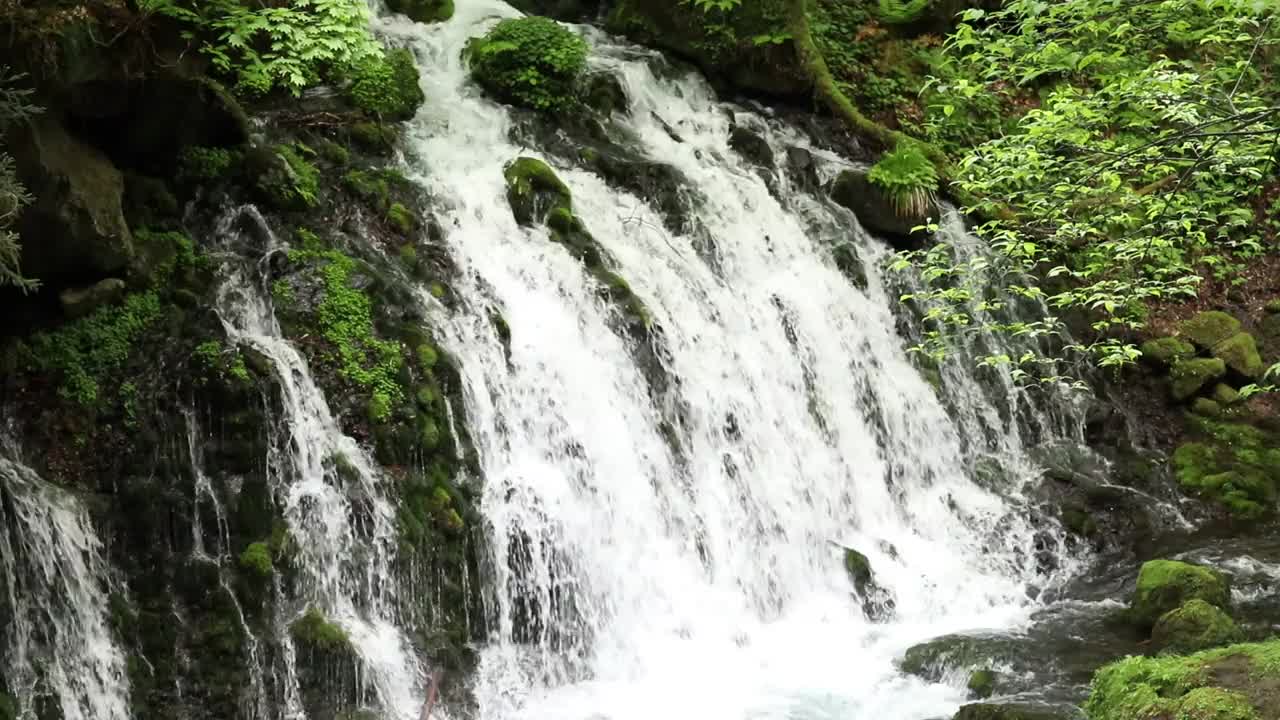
[530, 61]
[898, 12]
[288, 45]
[908, 178]
[387, 86]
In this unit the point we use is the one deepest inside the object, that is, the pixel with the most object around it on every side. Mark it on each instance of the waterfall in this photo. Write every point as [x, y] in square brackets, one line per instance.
[676, 552]
[59, 646]
[345, 552]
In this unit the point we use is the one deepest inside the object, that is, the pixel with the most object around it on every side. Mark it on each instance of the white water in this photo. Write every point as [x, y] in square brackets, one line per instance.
[59, 643]
[706, 583]
[345, 552]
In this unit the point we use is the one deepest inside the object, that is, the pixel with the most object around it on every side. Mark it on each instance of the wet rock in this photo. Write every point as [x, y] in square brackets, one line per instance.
[77, 215]
[1165, 585]
[751, 146]
[1196, 625]
[78, 302]
[876, 601]
[1189, 376]
[876, 211]
[982, 683]
[534, 191]
[989, 711]
[603, 92]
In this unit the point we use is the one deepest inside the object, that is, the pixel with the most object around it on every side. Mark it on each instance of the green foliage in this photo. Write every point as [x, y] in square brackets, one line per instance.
[288, 45]
[256, 559]
[13, 194]
[315, 631]
[1146, 129]
[907, 177]
[375, 186]
[1166, 351]
[423, 11]
[387, 86]
[1234, 464]
[223, 362]
[345, 319]
[982, 683]
[530, 61]
[83, 353]
[713, 5]
[206, 163]
[401, 218]
[897, 12]
[293, 183]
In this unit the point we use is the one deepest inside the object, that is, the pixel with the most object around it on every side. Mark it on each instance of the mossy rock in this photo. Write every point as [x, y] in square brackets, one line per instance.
[1205, 407]
[387, 86]
[1165, 585]
[256, 560]
[1240, 353]
[1189, 376]
[1225, 395]
[423, 11]
[316, 633]
[534, 191]
[1237, 682]
[603, 92]
[982, 683]
[283, 177]
[1234, 464]
[1164, 352]
[1207, 329]
[373, 137]
[532, 62]
[992, 711]
[858, 568]
[1194, 626]
[940, 657]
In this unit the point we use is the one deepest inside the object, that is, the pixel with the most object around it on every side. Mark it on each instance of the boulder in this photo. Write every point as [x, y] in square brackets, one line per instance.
[534, 191]
[982, 683]
[751, 145]
[75, 229]
[1189, 376]
[1165, 585]
[1209, 328]
[1240, 353]
[1164, 352]
[78, 302]
[876, 211]
[992, 711]
[1196, 625]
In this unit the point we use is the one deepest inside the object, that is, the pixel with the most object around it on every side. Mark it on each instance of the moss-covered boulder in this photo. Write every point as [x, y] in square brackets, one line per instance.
[877, 210]
[1207, 329]
[78, 215]
[534, 191]
[78, 302]
[1240, 353]
[1238, 682]
[982, 683]
[1233, 464]
[423, 11]
[1196, 625]
[283, 177]
[1225, 395]
[1165, 585]
[1164, 352]
[533, 62]
[1189, 376]
[387, 86]
[1206, 407]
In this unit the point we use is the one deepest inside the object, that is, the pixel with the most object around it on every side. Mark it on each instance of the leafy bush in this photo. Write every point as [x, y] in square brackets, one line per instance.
[290, 45]
[529, 61]
[387, 85]
[908, 178]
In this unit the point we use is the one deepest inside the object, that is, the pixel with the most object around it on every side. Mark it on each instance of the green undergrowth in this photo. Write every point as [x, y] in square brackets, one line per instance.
[907, 177]
[530, 61]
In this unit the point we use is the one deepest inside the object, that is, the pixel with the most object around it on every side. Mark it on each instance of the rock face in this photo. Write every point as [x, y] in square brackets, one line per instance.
[76, 228]
[875, 211]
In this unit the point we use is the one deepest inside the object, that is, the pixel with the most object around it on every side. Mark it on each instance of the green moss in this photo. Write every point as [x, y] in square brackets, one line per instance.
[1165, 351]
[530, 61]
[1189, 376]
[256, 559]
[1225, 395]
[387, 86]
[858, 568]
[167, 257]
[535, 192]
[374, 137]
[1207, 329]
[289, 182]
[375, 186]
[8, 707]
[1234, 464]
[1195, 625]
[1231, 683]
[203, 164]
[982, 683]
[423, 11]
[82, 354]
[333, 152]
[345, 319]
[1240, 353]
[1206, 407]
[316, 632]
[401, 218]
[1273, 306]
[427, 357]
[1164, 585]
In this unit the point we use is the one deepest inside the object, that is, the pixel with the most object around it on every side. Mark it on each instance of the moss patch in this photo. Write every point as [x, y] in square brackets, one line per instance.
[1240, 353]
[1207, 329]
[256, 559]
[1164, 352]
[1164, 585]
[1196, 625]
[535, 192]
[1233, 464]
[1189, 376]
[387, 86]
[531, 61]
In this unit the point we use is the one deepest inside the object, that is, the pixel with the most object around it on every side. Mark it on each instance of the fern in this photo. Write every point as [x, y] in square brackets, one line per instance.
[907, 177]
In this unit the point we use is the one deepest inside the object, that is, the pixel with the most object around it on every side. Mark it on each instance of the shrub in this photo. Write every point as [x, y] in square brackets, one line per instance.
[908, 178]
[387, 86]
[531, 61]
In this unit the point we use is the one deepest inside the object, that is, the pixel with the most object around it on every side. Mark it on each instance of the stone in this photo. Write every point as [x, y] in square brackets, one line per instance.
[1240, 353]
[1195, 625]
[603, 92]
[534, 191]
[990, 711]
[1225, 395]
[1165, 585]
[1164, 352]
[1207, 329]
[1189, 376]
[76, 226]
[751, 145]
[982, 683]
[874, 210]
[78, 302]
[1206, 407]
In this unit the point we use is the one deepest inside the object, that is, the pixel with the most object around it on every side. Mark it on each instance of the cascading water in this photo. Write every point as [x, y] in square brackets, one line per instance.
[345, 552]
[651, 563]
[59, 647]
